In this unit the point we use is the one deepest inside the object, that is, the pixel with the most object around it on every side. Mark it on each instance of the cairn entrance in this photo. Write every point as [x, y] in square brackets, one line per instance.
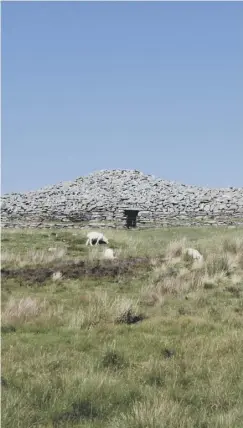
[131, 218]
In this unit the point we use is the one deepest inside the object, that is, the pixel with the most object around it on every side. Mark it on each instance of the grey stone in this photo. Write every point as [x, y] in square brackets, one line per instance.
[103, 195]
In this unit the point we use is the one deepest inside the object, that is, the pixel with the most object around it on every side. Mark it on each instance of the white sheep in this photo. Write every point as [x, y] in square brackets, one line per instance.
[194, 254]
[96, 236]
[109, 254]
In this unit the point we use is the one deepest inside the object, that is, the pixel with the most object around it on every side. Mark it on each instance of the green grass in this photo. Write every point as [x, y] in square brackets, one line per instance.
[158, 345]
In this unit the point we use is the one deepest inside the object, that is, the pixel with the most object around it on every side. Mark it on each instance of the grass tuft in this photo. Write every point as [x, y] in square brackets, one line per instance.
[21, 310]
[126, 312]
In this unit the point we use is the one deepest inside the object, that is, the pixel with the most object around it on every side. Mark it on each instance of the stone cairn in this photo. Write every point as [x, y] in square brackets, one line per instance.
[101, 198]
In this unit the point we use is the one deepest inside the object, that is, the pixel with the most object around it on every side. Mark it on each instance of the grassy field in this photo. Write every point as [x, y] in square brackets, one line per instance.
[149, 340]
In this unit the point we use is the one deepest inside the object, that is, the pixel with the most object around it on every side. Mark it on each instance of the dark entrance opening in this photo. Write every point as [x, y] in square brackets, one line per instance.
[131, 218]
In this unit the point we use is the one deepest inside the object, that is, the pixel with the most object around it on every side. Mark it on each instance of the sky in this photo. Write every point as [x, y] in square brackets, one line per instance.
[152, 86]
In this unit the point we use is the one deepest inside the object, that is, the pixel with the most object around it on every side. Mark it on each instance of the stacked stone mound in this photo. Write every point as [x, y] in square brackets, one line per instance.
[104, 195]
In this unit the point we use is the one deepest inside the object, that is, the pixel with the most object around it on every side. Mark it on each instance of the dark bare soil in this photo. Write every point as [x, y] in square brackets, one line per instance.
[74, 270]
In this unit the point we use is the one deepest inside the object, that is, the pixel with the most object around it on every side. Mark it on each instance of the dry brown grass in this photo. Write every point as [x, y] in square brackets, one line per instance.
[100, 308]
[21, 310]
[175, 248]
[154, 412]
[32, 257]
[180, 274]
[233, 245]
[97, 309]
[126, 311]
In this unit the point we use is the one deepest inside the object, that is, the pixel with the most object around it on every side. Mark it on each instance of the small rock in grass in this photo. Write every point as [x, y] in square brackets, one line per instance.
[56, 276]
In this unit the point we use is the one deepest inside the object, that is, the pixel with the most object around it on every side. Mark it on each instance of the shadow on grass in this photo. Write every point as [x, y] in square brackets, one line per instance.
[81, 410]
[8, 329]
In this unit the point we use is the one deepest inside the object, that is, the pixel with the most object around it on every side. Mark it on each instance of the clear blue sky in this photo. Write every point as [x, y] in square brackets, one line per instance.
[151, 86]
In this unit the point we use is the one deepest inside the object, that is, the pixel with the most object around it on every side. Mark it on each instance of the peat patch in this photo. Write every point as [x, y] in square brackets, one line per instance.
[80, 269]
